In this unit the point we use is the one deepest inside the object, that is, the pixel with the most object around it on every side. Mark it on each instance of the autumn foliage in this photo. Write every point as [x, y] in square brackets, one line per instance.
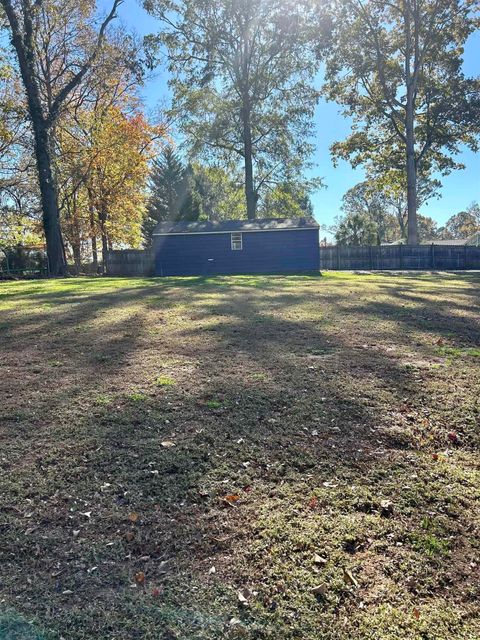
[105, 165]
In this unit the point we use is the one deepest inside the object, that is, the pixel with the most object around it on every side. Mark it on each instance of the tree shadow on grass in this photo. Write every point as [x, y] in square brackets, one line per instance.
[265, 406]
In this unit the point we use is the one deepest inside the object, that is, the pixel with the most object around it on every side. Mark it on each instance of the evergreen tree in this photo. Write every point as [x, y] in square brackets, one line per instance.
[172, 193]
[357, 229]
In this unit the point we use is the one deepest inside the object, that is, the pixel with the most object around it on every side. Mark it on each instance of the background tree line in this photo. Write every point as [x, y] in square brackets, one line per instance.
[82, 166]
[370, 217]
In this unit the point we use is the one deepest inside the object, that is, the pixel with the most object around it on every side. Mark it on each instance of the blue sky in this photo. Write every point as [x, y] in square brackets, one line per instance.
[459, 189]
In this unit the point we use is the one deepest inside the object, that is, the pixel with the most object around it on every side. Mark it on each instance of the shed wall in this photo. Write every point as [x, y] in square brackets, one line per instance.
[263, 252]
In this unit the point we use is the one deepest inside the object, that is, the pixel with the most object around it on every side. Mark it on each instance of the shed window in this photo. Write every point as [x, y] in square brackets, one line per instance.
[237, 243]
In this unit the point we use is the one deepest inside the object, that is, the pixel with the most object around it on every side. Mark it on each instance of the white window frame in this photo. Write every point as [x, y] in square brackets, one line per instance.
[236, 241]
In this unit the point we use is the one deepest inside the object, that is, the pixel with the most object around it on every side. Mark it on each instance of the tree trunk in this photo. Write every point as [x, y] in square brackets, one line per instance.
[94, 254]
[401, 219]
[48, 193]
[246, 115]
[412, 223]
[77, 258]
[250, 195]
[57, 263]
[93, 235]
[410, 79]
[104, 243]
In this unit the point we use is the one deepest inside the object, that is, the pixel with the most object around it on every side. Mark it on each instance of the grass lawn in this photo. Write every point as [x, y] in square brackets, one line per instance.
[240, 457]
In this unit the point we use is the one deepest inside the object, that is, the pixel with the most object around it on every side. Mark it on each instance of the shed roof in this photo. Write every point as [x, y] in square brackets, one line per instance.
[228, 226]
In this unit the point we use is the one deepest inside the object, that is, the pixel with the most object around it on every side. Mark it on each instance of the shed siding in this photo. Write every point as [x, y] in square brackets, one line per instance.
[263, 252]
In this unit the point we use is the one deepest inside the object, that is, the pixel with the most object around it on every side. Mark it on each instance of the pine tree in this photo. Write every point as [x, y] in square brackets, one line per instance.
[172, 195]
[167, 182]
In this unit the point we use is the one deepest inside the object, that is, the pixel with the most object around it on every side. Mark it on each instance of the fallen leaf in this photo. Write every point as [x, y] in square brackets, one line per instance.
[156, 592]
[313, 502]
[319, 559]
[242, 599]
[386, 508]
[163, 566]
[231, 498]
[349, 578]
[133, 517]
[211, 570]
[416, 613]
[129, 536]
[140, 577]
[435, 456]
[167, 444]
[320, 590]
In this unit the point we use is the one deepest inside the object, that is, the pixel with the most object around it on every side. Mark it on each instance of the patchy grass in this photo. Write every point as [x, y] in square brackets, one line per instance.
[460, 352]
[308, 468]
[165, 381]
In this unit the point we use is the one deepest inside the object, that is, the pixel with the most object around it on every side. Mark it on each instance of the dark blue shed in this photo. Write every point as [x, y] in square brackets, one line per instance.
[236, 246]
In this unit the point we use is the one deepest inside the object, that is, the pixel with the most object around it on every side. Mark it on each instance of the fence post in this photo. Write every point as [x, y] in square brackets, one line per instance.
[465, 261]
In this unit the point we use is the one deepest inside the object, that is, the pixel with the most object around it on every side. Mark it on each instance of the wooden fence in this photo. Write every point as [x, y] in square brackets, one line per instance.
[130, 262]
[134, 262]
[427, 257]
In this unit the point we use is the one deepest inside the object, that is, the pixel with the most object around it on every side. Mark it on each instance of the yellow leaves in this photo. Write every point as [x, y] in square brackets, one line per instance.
[106, 151]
